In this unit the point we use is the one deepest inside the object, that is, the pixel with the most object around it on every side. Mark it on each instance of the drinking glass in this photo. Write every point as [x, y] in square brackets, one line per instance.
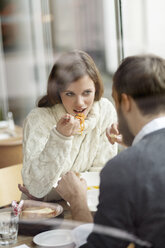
[8, 228]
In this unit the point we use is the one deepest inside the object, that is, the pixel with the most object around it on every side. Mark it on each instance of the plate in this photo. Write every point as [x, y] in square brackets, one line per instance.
[92, 178]
[32, 223]
[3, 124]
[93, 199]
[55, 238]
[93, 182]
[40, 210]
[4, 136]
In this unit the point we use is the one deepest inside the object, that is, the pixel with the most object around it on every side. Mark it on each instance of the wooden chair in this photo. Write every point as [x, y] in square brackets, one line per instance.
[9, 179]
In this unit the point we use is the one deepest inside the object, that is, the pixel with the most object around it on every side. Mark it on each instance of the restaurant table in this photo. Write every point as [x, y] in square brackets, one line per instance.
[28, 240]
[66, 216]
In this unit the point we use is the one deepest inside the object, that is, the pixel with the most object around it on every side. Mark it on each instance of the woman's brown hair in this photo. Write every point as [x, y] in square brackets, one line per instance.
[70, 67]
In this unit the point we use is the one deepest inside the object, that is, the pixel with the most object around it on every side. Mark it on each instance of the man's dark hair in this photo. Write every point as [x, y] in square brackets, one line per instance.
[142, 78]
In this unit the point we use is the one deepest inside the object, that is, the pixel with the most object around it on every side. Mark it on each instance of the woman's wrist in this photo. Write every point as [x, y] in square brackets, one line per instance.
[59, 134]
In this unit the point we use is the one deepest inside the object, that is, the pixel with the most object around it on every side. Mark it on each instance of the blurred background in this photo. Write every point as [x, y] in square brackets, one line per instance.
[33, 33]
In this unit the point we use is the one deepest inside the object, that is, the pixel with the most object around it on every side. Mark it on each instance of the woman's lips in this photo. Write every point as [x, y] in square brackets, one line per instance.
[79, 111]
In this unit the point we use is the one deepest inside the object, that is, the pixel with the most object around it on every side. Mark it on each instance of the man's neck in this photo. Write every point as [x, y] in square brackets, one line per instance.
[144, 120]
[153, 125]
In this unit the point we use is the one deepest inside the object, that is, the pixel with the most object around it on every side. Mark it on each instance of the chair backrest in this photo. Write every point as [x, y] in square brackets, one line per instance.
[10, 155]
[11, 148]
[9, 179]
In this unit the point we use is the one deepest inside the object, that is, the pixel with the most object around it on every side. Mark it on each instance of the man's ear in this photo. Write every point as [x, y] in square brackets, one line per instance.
[125, 102]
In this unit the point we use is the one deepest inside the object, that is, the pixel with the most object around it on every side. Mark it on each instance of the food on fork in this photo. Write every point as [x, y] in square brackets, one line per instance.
[116, 136]
[81, 117]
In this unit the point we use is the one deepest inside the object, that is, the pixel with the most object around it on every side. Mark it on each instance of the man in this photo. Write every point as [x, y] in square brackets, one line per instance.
[132, 189]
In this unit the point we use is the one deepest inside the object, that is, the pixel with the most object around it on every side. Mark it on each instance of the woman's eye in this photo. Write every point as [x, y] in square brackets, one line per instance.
[87, 92]
[69, 94]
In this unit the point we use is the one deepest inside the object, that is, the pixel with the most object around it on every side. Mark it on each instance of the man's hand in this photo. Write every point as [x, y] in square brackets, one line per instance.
[113, 134]
[74, 190]
[72, 187]
[68, 125]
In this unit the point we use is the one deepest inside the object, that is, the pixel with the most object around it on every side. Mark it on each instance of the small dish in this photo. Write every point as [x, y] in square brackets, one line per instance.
[55, 238]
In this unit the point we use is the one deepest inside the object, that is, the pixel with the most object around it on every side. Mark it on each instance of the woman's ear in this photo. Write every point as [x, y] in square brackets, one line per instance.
[125, 102]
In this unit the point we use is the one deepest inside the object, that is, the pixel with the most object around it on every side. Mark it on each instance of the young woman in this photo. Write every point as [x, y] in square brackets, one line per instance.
[53, 143]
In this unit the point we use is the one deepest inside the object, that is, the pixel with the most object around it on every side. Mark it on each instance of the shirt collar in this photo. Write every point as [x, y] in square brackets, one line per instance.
[150, 127]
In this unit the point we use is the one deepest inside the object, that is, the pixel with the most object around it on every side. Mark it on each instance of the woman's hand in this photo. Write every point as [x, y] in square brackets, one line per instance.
[24, 190]
[113, 134]
[68, 125]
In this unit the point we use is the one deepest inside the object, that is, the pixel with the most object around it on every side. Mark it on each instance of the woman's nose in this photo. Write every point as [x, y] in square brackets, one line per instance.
[79, 101]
